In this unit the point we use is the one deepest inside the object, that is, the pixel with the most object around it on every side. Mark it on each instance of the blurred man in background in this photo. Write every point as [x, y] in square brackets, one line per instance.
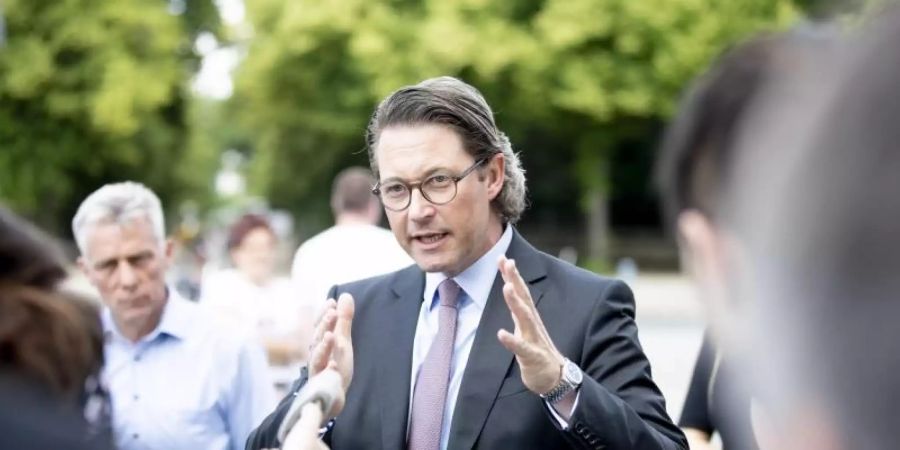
[354, 248]
[177, 380]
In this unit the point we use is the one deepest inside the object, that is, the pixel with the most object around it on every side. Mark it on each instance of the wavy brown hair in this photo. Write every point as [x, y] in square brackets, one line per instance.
[48, 335]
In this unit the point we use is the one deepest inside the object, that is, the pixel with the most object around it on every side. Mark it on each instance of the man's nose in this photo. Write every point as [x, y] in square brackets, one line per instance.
[128, 277]
[420, 209]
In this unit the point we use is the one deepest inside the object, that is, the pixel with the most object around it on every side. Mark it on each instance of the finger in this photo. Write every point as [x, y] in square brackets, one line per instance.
[329, 305]
[326, 324]
[516, 345]
[535, 325]
[322, 354]
[518, 282]
[523, 315]
[304, 435]
[501, 263]
[515, 309]
[345, 311]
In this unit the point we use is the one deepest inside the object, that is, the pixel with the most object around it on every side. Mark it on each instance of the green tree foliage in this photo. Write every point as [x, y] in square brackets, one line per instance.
[93, 91]
[571, 81]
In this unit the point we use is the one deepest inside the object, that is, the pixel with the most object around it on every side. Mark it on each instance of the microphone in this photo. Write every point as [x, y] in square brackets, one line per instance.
[323, 391]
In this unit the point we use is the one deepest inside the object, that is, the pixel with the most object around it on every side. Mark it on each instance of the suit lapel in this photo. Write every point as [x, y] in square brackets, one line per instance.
[395, 365]
[489, 361]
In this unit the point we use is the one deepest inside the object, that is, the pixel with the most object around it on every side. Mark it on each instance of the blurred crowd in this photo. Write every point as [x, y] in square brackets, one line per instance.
[777, 178]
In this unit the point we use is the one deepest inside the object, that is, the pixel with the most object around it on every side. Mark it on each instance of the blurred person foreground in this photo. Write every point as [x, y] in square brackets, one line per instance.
[51, 349]
[816, 197]
[694, 170]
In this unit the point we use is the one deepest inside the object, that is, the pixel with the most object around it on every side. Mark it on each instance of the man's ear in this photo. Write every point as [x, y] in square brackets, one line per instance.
[703, 249]
[496, 175]
[83, 266]
[169, 250]
[374, 211]
[710, 255]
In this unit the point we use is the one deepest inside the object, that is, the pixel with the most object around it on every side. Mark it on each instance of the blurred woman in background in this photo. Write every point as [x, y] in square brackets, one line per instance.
[252, 298]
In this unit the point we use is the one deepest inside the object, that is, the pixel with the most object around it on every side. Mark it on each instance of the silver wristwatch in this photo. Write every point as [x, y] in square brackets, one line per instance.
[568, 382]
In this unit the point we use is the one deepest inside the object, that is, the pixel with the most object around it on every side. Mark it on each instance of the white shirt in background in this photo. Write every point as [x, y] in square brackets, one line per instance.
[271, 310]
[341, 254]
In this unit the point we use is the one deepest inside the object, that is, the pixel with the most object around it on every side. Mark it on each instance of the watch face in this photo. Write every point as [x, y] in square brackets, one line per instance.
[573, 373]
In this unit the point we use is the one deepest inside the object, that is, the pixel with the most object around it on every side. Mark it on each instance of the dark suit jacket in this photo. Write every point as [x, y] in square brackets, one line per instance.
[589, 318]
[34, 417]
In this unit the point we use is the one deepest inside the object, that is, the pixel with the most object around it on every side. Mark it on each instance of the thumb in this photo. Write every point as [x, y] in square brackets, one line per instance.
[511, 342]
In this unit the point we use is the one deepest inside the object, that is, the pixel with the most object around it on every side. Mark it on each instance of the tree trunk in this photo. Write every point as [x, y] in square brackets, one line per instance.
[598, 228]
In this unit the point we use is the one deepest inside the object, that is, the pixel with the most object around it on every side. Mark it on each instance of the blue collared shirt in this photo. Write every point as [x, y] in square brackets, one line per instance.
[187, 385]
[475, 286]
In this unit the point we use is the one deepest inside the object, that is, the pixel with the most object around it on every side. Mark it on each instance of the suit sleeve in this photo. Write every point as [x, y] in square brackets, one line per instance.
[619, 406]
[695, 413]
[266, 434]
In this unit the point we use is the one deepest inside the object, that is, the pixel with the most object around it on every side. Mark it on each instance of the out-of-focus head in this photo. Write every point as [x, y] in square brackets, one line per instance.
[252, 244]
[351, 196]
[694, 160]
[124, 253]
[697, 157]
[27, 255]
[46, 335]
[433, 133]
[822, 224]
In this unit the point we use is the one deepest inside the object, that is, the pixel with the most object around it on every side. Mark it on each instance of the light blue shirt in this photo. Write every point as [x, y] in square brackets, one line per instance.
[475, 286]
[187, 385]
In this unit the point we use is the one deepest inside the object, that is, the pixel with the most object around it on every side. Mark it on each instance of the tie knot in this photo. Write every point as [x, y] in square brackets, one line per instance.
[448, 291]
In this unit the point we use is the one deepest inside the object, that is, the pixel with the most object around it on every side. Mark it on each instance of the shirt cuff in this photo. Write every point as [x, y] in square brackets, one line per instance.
[562, 422]
[324, 430]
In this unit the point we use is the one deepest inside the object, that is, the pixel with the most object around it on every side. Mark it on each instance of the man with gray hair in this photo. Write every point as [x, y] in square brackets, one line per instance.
[176, 380]
[454, 353]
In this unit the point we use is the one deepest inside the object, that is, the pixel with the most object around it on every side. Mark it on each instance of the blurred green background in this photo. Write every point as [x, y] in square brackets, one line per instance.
[93, 91]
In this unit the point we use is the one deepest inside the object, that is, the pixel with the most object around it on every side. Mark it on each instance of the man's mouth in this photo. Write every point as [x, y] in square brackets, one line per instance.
[430, 238]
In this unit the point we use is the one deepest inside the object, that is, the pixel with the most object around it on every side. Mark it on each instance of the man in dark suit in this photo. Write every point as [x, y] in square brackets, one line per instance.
[446, 353]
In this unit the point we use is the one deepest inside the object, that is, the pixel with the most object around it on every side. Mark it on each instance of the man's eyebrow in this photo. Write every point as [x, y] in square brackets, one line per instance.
[104, 263]
[139, 255]
[427, 174]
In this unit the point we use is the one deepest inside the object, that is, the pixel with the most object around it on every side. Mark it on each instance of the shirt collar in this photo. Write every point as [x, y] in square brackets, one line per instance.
[476, 281]
[174, 322]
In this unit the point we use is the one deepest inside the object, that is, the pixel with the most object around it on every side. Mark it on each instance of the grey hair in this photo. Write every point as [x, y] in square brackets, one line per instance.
[453, 103]
[118, 203]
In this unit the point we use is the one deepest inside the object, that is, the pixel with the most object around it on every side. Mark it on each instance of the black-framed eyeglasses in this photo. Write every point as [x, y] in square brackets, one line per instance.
[438, 189]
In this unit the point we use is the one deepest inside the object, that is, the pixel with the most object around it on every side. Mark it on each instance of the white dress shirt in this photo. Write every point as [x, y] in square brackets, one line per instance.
[475, 286]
